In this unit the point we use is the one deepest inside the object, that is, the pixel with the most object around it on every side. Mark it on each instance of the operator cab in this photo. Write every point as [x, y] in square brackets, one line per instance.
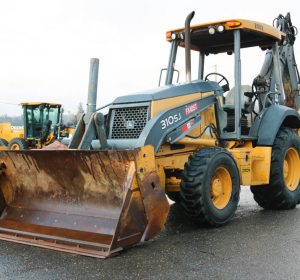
[237, 107]
[40, 120]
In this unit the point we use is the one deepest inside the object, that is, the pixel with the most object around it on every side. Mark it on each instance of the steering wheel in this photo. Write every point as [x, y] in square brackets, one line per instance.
[222, 81]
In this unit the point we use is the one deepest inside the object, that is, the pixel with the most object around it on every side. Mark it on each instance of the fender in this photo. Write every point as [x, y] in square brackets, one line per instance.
[268, 123]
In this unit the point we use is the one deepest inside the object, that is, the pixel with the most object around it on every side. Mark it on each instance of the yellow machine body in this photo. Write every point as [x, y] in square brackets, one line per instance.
[253, 163]
[8, 132]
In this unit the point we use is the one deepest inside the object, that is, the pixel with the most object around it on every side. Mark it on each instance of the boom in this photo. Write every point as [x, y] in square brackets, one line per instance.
[289, 75]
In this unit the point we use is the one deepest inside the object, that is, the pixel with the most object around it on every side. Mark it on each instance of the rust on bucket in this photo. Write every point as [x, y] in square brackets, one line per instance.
[93, 203]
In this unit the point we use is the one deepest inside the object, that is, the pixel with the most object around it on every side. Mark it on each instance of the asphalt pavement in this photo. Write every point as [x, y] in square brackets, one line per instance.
[256, 244]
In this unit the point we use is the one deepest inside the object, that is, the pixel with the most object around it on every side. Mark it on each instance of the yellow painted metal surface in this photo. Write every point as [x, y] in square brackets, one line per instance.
[163, 104]
[199, 142]
[168, 159]
[261, 165]
[175, 161]
[250, 25]
[254, 164]
[165, 150]
[173, 184]
[8, 132]
[39, 103]
[15, 147]
[221, 188]
[291, 167]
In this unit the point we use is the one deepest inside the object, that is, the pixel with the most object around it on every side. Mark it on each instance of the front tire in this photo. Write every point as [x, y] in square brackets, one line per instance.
[283, 190]
[17, 144]
[210, 186]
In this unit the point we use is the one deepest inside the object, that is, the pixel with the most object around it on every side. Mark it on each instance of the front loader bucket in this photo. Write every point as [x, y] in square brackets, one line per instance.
[93, 203]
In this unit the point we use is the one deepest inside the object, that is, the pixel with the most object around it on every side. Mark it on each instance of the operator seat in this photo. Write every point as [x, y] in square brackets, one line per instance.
[229, 108]
[229, 98]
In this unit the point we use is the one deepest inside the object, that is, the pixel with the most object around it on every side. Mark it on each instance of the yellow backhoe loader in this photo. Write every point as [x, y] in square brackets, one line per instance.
[191, 141]
[41, 126]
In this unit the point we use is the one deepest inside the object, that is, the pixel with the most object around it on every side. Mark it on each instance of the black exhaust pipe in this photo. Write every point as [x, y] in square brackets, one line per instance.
[187, 43]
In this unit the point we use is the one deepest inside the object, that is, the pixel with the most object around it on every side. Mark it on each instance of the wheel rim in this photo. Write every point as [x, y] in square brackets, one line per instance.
[291, 167]
[221, 188]
[15, 147]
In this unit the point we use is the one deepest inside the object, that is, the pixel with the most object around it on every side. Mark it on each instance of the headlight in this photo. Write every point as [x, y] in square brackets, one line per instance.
[211, 30]
[220, 28]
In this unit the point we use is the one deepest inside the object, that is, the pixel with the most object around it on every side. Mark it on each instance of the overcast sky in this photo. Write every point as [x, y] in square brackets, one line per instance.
[45, 46]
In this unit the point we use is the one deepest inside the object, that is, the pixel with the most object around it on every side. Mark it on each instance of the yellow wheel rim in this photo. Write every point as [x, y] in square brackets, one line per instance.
[291, 167]
[15, 147]
[221, 188]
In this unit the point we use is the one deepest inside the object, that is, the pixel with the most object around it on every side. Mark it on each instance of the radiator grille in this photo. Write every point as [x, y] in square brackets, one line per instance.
[128, 123]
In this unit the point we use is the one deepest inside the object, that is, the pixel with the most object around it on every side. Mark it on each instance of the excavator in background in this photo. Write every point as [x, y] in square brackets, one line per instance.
[42, 125]
[189, 141]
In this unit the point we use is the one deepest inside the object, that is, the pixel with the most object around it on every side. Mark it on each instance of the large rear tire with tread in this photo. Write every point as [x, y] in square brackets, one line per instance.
[210, 186]
[17, 144]
[283, 190]
[3, 142]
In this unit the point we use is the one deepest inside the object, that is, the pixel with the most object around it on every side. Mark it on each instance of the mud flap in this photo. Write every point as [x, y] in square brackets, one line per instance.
[93, 203]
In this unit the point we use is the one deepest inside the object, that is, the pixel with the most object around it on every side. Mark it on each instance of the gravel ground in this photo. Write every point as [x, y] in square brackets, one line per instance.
[256, 244]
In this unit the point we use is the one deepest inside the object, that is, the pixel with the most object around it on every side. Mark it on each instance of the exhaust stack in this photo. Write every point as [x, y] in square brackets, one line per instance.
[93, 84]
[187, 42]
[83, 123]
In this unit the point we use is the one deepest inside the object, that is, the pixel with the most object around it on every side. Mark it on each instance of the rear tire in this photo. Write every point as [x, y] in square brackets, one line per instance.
[3, 142]
[210, 186]
[17, 144]
[283, 191]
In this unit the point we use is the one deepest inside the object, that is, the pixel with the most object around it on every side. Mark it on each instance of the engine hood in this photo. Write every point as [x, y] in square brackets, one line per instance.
[168, 92]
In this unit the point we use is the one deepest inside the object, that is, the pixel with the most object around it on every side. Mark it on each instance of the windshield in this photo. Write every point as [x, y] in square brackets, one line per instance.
[51, 114]
[222, 63]
[41, 119]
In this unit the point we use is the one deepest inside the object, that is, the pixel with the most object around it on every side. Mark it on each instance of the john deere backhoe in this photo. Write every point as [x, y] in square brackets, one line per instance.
[190, 141]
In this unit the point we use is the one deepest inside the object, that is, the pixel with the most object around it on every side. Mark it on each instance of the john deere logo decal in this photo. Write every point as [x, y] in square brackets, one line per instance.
[129, 124]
